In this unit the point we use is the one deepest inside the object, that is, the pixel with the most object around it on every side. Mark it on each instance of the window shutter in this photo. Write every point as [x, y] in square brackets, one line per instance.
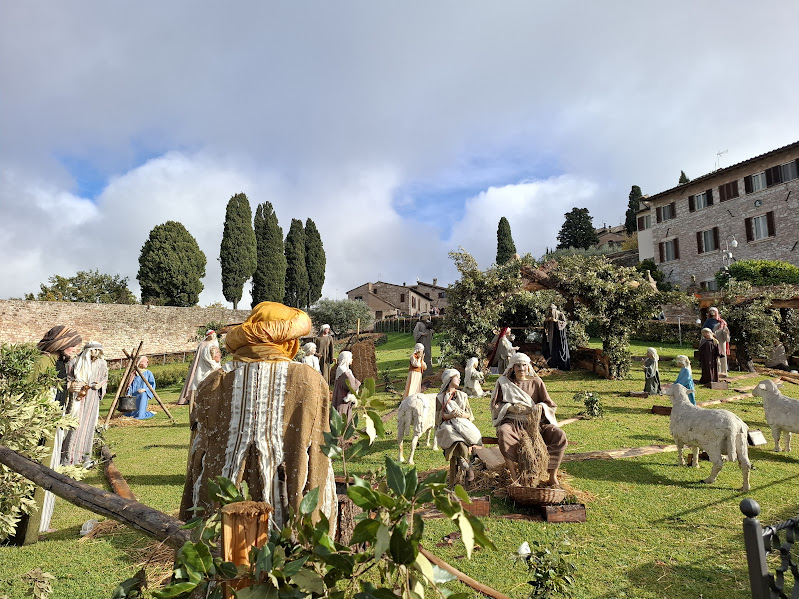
[748, 184]
[659, 213]
[699, 248]
[770, 222]
[722, 193]
[716, 240]
[750, 235]
[734, 189]
[773, 176]
[673, 210]
[640, 223]
[676, 249]
[662, 252]
[691, 204]
[709, 197]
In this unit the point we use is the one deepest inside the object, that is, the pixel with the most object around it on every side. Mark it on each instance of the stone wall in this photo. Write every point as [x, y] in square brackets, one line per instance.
[163, 329]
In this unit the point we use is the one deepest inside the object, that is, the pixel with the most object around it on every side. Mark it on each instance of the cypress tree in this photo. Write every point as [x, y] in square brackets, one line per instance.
[505, 246]
[171, 265]
[314, 261]
[296, 271]
[683, 178]
[238, 252]
[633, 205]
[269, 278]
[577, 230]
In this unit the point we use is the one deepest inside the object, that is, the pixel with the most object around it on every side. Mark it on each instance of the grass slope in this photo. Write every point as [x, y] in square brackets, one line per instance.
[653, 529]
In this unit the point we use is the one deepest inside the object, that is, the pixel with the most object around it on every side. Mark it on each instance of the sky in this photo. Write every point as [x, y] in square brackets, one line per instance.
[405, 130]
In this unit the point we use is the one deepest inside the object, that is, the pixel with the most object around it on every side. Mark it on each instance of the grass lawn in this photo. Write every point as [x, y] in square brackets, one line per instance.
[653, 529]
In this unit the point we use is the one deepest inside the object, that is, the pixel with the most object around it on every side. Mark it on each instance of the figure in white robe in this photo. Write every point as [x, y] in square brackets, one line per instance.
[310, 358]
[473, 377]
[201, 366]
[91, 374]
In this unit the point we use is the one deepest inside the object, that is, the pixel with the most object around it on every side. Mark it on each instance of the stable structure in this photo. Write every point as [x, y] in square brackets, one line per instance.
[746, 211]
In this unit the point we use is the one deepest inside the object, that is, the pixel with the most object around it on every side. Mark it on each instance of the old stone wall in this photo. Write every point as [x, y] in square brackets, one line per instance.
[163, 329]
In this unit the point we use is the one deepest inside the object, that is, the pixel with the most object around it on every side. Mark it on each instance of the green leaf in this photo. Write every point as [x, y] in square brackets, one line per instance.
[336, 422]
[383, 540]
[363, 497]
[365, 531]
[425, 567]
[258, 591]
[357, 449]
[479, 532]
[370, 430]
[175, 590]
[411, 482]
[197, 556]
[462, 494]
[401, 550]
[309, 581]
[467, 533]
[227, 569]
[263, 559]
[308, 503]
[436, 477]
[378, 422]
[395, 476]
[291, 568]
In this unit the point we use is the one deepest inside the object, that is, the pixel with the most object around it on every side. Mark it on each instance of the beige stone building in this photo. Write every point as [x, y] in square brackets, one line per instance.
[747, 211]
[387, 299]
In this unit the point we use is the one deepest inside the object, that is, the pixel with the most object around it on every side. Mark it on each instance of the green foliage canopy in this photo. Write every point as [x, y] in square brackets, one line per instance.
[90, 286]
[577, 230]
[633, 205]
[683, 178]
[296, 272]
[238, 252]
[315, 261]
[171, 265]
[761, 273]
[341, 315]
[505, 246]
[269, 278]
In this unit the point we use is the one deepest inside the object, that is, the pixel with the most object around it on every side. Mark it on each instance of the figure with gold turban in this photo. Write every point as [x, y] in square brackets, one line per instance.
[262, 420]
[527, 430]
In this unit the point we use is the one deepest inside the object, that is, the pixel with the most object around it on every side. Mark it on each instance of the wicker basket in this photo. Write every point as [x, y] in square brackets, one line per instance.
[536, 495]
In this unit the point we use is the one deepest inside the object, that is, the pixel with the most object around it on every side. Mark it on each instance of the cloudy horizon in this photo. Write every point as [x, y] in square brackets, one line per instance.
[404, 131]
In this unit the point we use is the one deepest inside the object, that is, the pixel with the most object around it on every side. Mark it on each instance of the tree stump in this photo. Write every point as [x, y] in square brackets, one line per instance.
[245, 524]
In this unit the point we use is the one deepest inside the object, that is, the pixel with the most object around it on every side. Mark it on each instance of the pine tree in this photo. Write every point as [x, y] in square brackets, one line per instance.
[171, 265]
[238, 253]
[633, 205]
[683, 178]
[314, 261]
[269, 278]
[577, 230]
[296, 271]
[505, 246]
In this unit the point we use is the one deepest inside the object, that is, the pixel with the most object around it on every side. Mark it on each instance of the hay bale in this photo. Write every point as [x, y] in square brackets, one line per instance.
[364, 360]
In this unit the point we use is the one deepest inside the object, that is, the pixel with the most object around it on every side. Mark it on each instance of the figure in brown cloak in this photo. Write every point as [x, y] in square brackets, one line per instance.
[708, 357]
[263, 421]
[556, 347]
[324, 349]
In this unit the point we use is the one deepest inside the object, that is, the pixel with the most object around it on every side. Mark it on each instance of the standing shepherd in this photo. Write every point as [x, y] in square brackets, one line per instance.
[555, 346]
[423, 333]
[201, 366]
[310, 358]
[709, 357]
[651, 372]
[415, 369]
[91, 374]
[343, 399]
[325, 351]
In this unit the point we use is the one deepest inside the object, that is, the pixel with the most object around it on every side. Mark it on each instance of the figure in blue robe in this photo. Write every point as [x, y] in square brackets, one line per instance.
[685, 378]
[142, 393]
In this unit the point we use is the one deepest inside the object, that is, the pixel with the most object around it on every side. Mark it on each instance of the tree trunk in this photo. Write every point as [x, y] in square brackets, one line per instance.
[131, 513]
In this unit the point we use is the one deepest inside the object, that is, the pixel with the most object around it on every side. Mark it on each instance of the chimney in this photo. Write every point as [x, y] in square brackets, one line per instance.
[371, 287]
[435, 282]
[403, 283]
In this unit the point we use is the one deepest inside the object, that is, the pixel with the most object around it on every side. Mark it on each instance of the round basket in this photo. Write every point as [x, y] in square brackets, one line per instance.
[536, 495]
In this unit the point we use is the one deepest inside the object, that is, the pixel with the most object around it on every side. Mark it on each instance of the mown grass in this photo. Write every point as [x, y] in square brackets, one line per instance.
[653, 529]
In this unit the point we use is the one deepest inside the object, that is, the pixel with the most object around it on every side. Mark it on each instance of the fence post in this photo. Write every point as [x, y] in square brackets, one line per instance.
[755, 550]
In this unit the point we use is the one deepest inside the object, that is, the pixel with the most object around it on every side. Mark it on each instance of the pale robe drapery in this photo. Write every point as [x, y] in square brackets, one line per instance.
[78, 443]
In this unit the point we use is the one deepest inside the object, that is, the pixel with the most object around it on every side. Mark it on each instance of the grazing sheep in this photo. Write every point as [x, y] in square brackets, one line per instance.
[417, 412]
[719, 432]
[782, 412]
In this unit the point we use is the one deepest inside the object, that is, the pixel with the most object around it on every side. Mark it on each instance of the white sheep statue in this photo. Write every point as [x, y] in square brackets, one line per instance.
[782, 412]
[719, 432]
[417, 412]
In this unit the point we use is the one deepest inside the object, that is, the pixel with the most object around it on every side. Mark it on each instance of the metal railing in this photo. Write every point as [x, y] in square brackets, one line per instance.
[402, 324]
[759, 541]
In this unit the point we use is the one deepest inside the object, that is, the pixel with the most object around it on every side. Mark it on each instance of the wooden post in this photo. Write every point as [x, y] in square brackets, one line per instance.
[122, 382]
[146, 382]
[358, 329]
[245, 524]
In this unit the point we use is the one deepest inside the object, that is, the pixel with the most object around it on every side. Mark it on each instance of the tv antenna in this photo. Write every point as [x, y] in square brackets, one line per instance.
[718, 158]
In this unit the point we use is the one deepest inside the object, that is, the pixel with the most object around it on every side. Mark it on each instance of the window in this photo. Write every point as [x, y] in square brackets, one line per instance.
[645, 222]
[789, 171]
[413, 302]
[710, 285]
[666, 212]
[753, 183]
[760, 227]
[707, 241]
[700, 201]
[359, 297]
[442, 294]
[728, 191]
[669, 250]
[402, 298]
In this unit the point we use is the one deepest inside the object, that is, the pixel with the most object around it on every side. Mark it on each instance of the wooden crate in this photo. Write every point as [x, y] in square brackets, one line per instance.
[719, 385]
[662, 410]
[572, 512]
[480, 506]
[756, 438]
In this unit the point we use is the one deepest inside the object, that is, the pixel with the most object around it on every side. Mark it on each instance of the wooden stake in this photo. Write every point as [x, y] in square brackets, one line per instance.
[245, 524]
[467, 580]
[122, 382]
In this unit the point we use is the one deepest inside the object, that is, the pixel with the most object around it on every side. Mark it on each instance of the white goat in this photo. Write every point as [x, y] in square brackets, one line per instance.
[782, 412]
[719, 432]
[417, 412]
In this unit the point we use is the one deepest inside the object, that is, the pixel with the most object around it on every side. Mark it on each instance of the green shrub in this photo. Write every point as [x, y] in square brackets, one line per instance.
[761, 273]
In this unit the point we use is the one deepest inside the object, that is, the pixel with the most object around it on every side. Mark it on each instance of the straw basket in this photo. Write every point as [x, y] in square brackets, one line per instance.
[536, 495]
